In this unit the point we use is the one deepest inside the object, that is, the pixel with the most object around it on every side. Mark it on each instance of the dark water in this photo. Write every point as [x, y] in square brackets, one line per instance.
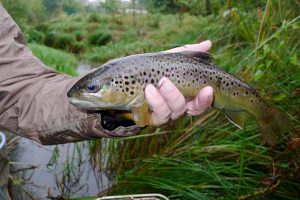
[64, 170]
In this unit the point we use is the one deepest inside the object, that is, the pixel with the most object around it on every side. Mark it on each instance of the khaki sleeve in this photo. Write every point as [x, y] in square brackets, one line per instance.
[33, 100]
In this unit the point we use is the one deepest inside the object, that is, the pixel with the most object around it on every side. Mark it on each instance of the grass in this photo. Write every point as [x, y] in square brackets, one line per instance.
[204, 157]
[59, 60]
[213, 159]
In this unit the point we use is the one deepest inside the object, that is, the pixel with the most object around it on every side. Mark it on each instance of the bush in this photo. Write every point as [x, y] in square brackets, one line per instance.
[50, 38]
[35, 36]
[60, 40]
[42, 27]
[79, 35]
[100, 38]
[94, 18]
[78, 47]
[92, 27]
[65, 41]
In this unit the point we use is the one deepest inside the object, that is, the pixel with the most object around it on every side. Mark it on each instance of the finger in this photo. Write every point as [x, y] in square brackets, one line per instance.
[161, 111]
[202, 102]
[173, 97]
[203, 47]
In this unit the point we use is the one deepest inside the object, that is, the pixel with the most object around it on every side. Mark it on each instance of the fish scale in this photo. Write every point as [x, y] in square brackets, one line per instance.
[120, 84]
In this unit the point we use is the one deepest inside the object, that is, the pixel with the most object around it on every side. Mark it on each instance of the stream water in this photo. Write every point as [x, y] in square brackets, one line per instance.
[54, 170]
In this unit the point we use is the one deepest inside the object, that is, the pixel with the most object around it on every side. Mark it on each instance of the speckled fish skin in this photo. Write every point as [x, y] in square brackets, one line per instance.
[121, 83]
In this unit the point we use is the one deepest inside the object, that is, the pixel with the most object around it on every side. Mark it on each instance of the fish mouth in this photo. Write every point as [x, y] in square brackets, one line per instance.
[83, 104]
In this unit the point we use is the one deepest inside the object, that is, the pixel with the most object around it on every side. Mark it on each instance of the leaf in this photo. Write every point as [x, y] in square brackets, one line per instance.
[258, 74]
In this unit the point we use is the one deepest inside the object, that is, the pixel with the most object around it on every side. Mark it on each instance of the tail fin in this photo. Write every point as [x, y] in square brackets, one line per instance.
[274, 126]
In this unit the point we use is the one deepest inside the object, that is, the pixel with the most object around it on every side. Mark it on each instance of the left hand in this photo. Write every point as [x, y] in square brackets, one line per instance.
[167, 102]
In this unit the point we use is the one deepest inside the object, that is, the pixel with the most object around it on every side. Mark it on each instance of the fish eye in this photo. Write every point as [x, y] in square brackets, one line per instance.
[91, 87]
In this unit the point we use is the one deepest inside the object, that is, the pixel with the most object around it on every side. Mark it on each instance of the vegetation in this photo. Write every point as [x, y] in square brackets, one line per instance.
[205, 157]
[59, 60]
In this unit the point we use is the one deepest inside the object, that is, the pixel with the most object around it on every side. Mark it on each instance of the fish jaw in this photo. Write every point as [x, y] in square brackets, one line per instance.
[84, 104]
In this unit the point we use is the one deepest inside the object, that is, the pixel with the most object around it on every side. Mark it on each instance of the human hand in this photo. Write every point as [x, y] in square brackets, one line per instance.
[168, 103]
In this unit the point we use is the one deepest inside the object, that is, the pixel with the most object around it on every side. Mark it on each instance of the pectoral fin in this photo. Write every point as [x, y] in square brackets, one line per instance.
[140, 114]
[238, 118]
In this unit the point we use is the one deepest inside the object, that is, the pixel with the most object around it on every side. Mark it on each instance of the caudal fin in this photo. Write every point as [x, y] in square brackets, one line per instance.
[274, 127]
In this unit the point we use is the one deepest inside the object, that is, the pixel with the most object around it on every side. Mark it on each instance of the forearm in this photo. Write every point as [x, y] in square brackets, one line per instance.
[33, 101]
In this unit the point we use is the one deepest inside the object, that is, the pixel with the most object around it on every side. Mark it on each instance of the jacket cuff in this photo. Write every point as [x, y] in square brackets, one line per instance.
[84, 129]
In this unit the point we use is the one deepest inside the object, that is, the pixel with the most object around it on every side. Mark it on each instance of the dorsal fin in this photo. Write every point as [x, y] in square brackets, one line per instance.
[201, 55]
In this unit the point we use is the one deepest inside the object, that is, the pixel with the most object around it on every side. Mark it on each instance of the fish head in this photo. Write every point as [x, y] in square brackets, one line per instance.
[103, 92]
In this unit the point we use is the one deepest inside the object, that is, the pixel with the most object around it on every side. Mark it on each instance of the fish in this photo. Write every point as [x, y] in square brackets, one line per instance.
[119, 84]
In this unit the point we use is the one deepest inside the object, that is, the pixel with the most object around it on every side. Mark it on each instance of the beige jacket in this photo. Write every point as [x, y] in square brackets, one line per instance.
[33, 101]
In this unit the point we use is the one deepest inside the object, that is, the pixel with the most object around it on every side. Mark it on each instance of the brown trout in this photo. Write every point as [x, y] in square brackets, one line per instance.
[119, 85]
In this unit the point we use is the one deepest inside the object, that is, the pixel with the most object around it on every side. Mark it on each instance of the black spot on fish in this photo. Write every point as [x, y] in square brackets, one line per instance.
[126, 83]
[126, 77]
[116, 82]
[127, 89]
[132, 92]
[246, 92]
[144, 73]
[133, 81]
